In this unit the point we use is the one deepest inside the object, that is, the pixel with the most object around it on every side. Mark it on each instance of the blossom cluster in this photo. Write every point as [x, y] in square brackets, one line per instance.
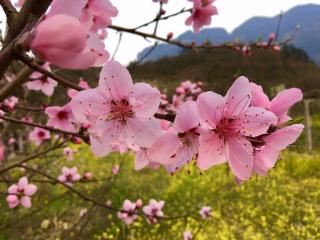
[239, 128]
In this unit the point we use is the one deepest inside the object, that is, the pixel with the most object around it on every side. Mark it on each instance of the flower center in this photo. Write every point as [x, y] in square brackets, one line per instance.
[189, 137]
[120, 110]
[62, 115]
[226, 127]
[40, 134]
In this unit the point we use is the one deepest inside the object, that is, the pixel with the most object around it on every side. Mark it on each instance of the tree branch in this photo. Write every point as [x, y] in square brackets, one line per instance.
[9, 10]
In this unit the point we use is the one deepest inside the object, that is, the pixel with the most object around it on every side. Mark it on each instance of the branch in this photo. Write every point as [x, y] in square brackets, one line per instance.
[51, 129]
[21, 78]
[9, 10]
[33, 64]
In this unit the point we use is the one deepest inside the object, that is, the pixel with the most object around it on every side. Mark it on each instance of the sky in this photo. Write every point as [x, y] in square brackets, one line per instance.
[232, 13]
[132, 13]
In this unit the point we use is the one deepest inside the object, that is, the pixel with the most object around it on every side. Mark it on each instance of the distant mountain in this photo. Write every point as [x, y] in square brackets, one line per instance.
[308, 37]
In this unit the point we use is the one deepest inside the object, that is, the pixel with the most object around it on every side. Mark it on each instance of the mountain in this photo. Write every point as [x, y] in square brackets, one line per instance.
[307, 17]
[217, 69]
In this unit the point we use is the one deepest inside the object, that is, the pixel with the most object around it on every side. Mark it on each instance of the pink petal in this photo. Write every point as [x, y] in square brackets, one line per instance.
[240, 157]
[141, 160]
[143, 132]
[259, 98]
[256, 121]
[210, 107]
[115, 80]
[71, 7]
[89, 102]
[145, 99]
[211, 150]
[12, 201]
[164, 148]
[187, 117]
[30, 190]
[26, 201]
[23, 183]
[284, 101]
[13, 189]
[238, 97]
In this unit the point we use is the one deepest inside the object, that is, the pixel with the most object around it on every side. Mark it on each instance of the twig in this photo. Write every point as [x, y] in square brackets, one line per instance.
[9, 10]
[51, 129]
[118, 45]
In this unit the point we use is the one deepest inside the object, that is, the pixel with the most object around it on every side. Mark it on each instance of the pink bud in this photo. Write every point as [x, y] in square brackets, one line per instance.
[169, 35]
[87, 176]
[139, 203]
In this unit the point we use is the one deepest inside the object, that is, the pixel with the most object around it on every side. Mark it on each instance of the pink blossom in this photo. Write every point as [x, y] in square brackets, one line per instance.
[69, 153]
[11, 102]
[87, 175]
[205, 212]
[267, 155]
[201, 15]
[280, 104]
[93, 14]
[268, 147]
[230, 123]
[61, 118]
[20, 193]
[69, 175]
[2, 151]
[128, 213]
[27, 119]
[142, 159]
[187, 235]
[38, 135]
[63, 41]
[272, 37]
[82, 83]
[118, 110]
[115, 169]
[41, 82]
[178, 147]
[12, 141]
[153, 211]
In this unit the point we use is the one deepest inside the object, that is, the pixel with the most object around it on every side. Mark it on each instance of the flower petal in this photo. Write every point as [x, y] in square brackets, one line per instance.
[210, 107]
[115, 80]
[240, 157]
[238, 97]
[26, 201]
[30, 190]
[145, 100]
[211, 150]
[259, 98]
[187, 117]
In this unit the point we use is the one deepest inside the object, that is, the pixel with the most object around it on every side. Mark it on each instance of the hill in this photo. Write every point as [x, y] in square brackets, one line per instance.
[308, 37]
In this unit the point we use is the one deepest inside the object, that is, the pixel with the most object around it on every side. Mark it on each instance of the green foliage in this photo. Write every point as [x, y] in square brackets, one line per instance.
[285, 205]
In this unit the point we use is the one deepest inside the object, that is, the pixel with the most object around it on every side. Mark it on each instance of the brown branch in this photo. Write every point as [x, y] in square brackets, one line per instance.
[20, 79]
[33, 64]
[169, 116]
[9, 10]
[51, 129]
[31, 157]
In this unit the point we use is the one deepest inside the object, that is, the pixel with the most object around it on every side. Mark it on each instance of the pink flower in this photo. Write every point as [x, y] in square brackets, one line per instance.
[143, 159]
[27, 119]
[38, 135]
[153, 211]
[205, 212]
[280, 104]
[93, 14]
[82, 83]
[61, 118]
[128, 213]
[69, 175]
[115, 169]
[2, 151]
[63, 41]
[12, 141]
[267, 155]
[87, 175]
[20, 193]
[187, 235]
[201, 15]
[178, 147]
[269, 147]
[11, 102]
[69, 153]
[230, 123]
[41, 82]
[118, 110]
